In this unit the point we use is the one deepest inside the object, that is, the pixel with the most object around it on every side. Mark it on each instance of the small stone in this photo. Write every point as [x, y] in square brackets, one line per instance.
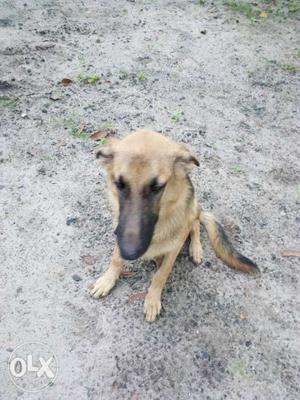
[248, 343]
[41, 171]
[205, 355]
[76, 278]
[71, 220]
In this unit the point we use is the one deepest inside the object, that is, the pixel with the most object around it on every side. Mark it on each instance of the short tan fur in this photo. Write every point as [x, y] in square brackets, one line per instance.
[155, 211]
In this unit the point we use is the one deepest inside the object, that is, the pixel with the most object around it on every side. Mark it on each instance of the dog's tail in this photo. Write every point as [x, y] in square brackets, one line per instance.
[222, 246]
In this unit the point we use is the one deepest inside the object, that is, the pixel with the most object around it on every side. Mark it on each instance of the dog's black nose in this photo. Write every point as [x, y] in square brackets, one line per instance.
[130, 247]
[127, 255]
[129, 244]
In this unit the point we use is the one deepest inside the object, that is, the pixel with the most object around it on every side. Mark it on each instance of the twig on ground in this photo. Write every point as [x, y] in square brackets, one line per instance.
[291, 253]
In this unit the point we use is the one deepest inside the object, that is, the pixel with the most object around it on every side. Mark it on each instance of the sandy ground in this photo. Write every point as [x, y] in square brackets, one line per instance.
[206, 77]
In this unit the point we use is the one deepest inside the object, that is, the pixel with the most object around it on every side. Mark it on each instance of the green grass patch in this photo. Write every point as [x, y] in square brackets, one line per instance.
[293, 6]
[238, 368]
[247, 9]
[74, 129]
[263, 9]
[8, 102]
[103, 140]
[236, 169]
[89, 79]
[107, 126]
[123, 74]
[291, 68]
[176, 116]
[141, 76]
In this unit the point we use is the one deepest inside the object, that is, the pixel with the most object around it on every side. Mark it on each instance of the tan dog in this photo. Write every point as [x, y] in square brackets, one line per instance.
[155, 210]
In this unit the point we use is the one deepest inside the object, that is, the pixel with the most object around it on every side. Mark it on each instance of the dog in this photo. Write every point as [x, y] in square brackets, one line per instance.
[155, 211]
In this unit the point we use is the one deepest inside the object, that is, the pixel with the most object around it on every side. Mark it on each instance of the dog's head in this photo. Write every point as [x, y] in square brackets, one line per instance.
[143, 168]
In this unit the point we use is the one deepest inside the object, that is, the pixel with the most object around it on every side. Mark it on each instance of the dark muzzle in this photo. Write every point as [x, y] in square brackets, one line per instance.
[134, 233]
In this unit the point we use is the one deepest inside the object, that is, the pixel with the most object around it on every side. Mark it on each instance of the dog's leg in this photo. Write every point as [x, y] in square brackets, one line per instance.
[195, 248]
[107, 281]
[152, 305]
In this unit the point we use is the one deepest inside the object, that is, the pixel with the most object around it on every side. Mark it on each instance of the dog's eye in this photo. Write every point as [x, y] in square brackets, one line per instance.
[155, 187]
[120, 184]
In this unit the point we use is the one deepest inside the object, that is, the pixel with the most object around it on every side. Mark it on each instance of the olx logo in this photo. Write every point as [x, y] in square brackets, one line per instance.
[32, 367]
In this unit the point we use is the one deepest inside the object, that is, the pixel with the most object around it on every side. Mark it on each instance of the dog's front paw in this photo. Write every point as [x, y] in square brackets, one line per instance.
[103, 285]
[152, 307]
[196, 252]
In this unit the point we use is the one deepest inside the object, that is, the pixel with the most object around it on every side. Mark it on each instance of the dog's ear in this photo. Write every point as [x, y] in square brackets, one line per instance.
[106, 152]
[184, 159]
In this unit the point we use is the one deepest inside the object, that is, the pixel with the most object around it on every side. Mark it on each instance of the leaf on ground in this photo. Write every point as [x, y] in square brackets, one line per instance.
[127, 274]
[291, 253]
[66, 81]
[136, 296]
[97, 135]
[263, 14]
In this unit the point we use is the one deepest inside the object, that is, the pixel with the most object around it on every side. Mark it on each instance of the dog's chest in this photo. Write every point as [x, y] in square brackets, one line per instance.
[167, 237]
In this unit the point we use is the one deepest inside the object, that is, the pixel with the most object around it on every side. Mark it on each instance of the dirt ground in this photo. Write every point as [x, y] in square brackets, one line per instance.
[207, 76]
